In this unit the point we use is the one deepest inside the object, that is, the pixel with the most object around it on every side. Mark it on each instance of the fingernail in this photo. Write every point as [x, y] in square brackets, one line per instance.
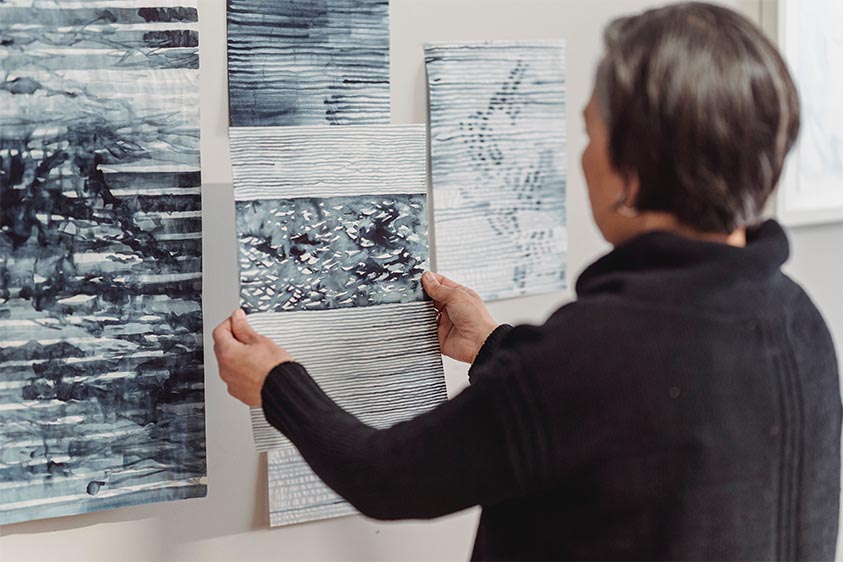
[430, 277]
[239, 314]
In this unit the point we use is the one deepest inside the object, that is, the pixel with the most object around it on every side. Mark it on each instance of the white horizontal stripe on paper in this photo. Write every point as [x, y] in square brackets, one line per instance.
[292, 162]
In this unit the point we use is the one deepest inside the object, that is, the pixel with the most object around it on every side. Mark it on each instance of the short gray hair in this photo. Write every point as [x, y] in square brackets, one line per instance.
[701, 108]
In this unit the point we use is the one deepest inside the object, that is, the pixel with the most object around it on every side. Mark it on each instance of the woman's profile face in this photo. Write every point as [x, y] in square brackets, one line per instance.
[606, 187]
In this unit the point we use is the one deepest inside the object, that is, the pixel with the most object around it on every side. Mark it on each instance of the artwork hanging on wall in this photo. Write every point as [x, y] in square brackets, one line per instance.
[101, 354]
[497, 118]
[331, 258]
[308, 62]
[811, 39]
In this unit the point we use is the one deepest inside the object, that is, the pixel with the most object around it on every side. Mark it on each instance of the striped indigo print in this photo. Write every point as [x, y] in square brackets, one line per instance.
[308, 62]
[497, 115]
[333, 241]
[382, 364]
[101, 369]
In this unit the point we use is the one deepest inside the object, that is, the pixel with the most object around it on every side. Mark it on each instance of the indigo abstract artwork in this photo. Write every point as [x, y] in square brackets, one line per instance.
[338, 252]
[308, 62]
[332, 230]
[101, 359]
[497, 117]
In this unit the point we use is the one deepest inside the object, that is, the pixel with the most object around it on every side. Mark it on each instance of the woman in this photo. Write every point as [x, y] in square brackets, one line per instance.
[685, 406]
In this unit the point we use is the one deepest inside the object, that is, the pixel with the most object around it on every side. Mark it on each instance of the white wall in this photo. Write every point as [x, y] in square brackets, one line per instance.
[231, 523]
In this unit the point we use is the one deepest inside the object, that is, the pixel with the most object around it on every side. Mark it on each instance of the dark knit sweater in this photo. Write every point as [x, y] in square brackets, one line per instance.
[686, 406]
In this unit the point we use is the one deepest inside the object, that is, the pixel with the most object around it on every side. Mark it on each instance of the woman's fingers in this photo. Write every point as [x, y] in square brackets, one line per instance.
[223, 337]
[223, 331]
[444, 328]
[446, 281]
[436, 289]
[241, 329]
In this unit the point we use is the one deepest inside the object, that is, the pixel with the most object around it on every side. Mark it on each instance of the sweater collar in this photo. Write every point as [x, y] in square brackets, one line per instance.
[699, 262]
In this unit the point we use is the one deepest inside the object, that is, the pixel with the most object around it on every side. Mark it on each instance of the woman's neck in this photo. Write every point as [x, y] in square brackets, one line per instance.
[651, 221]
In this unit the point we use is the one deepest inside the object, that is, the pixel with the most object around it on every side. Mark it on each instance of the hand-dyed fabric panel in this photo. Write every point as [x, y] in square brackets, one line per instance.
[332, 229]
[308, 62]
[497, 115]
[338, 252]
[101, 361]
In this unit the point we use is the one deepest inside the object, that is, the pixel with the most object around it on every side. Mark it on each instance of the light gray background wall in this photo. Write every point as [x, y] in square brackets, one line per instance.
[231, 523]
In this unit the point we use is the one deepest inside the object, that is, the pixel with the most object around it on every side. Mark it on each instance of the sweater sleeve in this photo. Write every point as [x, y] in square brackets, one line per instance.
[474, 449]
[490, 346]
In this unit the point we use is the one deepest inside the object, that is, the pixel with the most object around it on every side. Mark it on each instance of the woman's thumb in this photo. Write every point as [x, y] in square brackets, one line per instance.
[435, 288]
[241, 329]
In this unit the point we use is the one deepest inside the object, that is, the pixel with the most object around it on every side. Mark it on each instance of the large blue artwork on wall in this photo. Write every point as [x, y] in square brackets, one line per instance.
[101, 359]
[308, 62]
[497, 126]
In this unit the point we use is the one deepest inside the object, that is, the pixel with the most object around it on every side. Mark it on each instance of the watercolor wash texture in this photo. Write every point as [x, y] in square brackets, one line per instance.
[101, 359]
[308, 62]
[497, 117]
[331, 258]
[339, 252]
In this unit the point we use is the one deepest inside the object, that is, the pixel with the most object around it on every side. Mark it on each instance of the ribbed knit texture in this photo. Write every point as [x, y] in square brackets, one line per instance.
[685, 407]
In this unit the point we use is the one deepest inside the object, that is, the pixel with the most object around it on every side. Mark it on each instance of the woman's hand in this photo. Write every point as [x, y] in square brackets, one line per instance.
[464, 321]
[245, 358]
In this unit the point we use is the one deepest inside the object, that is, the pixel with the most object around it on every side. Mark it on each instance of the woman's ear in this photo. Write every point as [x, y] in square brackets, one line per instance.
[632, 189]
[627, 202]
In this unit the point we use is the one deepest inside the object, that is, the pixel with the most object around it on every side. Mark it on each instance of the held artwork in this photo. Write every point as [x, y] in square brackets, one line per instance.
[336, 279]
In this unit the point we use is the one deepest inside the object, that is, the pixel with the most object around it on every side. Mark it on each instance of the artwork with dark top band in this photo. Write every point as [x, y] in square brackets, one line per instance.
[497, 117]
[308, 62]
[332, 231]
[101, 355]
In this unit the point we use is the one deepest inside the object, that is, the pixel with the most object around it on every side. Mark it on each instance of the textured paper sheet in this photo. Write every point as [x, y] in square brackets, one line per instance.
[497, 117]
[101, 374]
[308, 62]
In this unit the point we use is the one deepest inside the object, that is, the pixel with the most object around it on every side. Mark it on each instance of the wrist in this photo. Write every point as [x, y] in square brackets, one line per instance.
[280, 363]
[492, 342]
[482, 338]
